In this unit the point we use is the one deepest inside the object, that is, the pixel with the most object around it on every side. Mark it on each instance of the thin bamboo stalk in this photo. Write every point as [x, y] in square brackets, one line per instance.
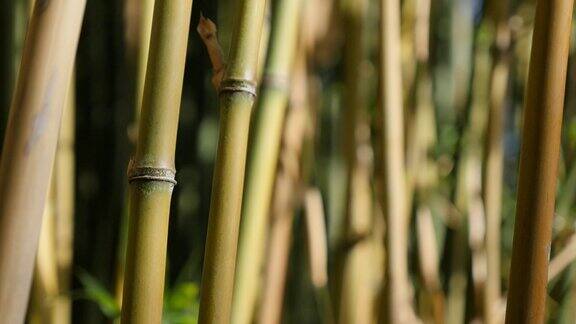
[64, 192]
[145, 10]
[539, 161]
[290, 176]
[494, 157]
[151, 172]
[237, 92]
[45, 285]
[266, 135]
[397, 308]
[30, 144]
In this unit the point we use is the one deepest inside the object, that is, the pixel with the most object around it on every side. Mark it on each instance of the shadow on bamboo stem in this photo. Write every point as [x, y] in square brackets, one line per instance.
[30, 144]
[539, 161]
[151, 172]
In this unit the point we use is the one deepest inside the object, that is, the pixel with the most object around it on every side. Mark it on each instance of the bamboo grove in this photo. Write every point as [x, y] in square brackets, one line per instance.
[287, 161]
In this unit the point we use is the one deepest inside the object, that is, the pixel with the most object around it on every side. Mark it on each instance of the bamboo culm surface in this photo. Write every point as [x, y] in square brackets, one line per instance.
[30, 144]
[397, 303]
[237, 92]
[263, 158]
[151, 172]
[539, 156]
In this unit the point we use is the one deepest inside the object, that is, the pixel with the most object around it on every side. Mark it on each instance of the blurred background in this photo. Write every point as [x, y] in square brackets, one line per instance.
[464, 69]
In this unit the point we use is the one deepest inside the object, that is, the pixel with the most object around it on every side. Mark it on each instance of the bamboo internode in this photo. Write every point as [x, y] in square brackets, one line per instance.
[151, 172]
[539, 156]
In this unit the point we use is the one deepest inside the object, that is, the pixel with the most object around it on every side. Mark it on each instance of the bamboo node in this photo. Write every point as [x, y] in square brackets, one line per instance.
[236, 85]
[145, 173]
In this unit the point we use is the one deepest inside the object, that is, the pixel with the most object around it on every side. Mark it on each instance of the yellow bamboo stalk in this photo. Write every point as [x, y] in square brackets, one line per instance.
[30, 144]
[494, 157]
[397, 300]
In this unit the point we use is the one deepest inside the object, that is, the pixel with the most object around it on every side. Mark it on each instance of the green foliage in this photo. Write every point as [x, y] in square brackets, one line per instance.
[181, 304]
[94, 290]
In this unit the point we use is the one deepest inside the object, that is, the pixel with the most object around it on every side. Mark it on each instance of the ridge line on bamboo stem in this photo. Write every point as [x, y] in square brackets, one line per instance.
[237, 85]
[150, 173]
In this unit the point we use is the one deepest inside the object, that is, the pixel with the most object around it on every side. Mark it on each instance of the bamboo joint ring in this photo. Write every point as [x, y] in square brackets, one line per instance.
[237, 85]
[144, 173]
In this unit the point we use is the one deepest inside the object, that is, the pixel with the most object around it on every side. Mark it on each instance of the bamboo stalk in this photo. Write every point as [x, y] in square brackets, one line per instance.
[494, 157]
[44, 292]
[266, 137]
[286, 188]
[143, 32]
[151, 172]
[64, 192]
[237, 92]
[355, 298]
[30, 144]
[397, 308]
[539, 161]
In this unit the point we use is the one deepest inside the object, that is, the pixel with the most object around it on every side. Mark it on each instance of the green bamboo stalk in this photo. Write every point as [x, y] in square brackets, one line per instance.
[151, 171]
[539, 161]
[30, 144]
[144, 30]
[494, 156]
[397, 295]
[263, 157]
[237, 92]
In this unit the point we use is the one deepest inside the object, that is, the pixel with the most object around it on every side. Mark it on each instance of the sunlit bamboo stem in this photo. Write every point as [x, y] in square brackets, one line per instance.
[539, 161]
[494, 156]
[397, 295]
[30, 144]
